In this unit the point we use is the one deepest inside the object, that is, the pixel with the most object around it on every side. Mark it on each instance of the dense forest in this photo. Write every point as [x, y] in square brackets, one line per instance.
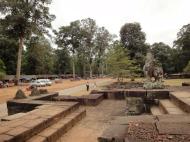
[83, 48]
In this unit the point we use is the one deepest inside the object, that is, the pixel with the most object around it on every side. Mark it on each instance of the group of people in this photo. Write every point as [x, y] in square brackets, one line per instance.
[88, 86]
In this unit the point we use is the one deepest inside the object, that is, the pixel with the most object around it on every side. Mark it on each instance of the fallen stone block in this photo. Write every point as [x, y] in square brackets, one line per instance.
[115, 133]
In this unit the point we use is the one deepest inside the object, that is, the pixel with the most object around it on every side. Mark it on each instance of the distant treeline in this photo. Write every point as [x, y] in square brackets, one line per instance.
[82, 48]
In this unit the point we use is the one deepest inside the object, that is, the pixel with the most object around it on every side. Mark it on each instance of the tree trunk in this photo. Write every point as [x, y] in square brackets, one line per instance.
[90, 70]
[99, 70]
[102, 67]
[73, 68]
[19, 60]
[106, 69]
[84, 71]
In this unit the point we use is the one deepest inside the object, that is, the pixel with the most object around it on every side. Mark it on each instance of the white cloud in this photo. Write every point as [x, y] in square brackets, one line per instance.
[160, 19]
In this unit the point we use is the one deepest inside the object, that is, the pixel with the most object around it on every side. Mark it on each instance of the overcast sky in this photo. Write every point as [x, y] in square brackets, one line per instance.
[159, 19]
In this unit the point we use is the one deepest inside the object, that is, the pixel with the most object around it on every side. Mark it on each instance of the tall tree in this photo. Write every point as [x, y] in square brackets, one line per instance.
[183, 44]
[89, 28]
[102, 42]
[132, 38]
[70, 37]
[24, 18]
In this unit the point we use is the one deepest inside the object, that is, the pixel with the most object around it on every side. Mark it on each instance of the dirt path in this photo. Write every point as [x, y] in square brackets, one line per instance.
[81, 89]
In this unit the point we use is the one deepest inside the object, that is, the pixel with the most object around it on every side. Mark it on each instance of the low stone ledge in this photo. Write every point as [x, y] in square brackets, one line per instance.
[91, 100]
[66, 98]
[28, 104]
[158, 93]
[186, 84]
[136, 93]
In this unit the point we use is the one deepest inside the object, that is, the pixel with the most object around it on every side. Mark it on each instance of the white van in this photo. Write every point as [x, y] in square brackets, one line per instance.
[46, 81]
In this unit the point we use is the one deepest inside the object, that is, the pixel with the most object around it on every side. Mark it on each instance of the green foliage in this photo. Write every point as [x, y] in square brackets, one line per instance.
[22, 18]
[62, 63]
[102, 42]
[187, 68]
[165, 55]
[133, 39]
[39, 57]
[9, 48]
[2, 69]
[153, 85]
[183, 45]
[69, 36]
[119, 63]
[86, 43]
[2, 66]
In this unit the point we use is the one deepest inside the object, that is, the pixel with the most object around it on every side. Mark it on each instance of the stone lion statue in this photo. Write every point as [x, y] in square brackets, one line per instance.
[151, 70]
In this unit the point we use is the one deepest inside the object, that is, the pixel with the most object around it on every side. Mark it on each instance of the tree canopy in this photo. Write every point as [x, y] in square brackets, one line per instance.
[119, 64]
[163, 53]
[133, 38]
[22, 19]
[183, 45]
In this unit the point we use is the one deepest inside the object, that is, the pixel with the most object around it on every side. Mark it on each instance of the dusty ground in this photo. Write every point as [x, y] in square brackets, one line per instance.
[175, 82]
[9, 93]
[170, 82]
[97, 120]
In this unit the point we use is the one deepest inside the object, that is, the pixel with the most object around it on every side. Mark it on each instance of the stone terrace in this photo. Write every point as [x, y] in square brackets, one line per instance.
[49, 117]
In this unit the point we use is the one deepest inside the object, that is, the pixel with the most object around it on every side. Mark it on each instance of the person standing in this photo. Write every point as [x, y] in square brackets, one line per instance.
[95, 85]
[87, 86]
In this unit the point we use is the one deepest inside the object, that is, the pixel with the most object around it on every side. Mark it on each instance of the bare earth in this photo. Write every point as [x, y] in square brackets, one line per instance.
[8, 93]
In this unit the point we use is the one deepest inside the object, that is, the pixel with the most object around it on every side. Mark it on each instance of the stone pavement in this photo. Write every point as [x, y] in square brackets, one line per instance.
[97, 120]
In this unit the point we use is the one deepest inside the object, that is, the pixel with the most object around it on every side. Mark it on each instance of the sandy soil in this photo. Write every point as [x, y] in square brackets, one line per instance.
[9, 93]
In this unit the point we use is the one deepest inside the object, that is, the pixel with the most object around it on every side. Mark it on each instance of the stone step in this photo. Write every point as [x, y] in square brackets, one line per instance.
[23, 128]
[168, 107]
[181, 99]
[155, 110]
[55, 131]
[13, 117]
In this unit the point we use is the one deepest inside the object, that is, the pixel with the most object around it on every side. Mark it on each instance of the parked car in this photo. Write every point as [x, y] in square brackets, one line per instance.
[37, 83]
[46, 81]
